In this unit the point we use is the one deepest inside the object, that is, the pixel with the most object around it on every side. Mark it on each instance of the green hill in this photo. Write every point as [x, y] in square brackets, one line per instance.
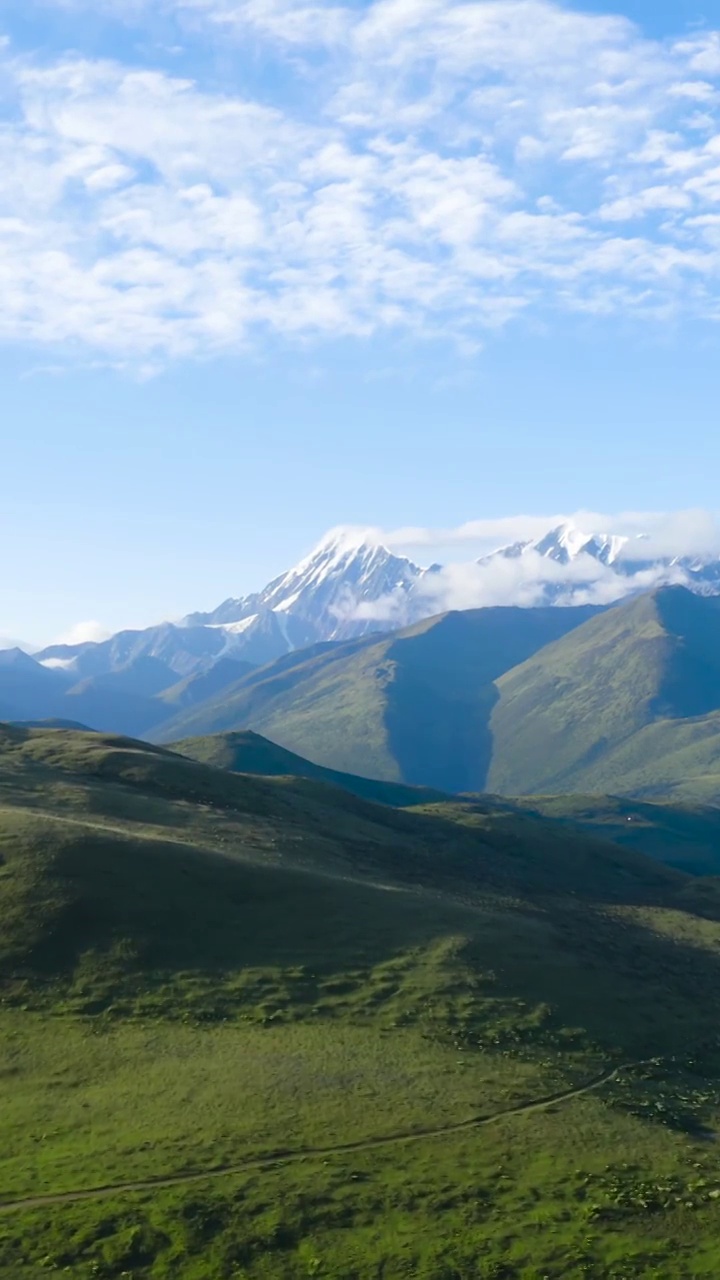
[202, 686]
[411, 707]
[685, 836]
[251, 753]
[512, 701]
[627, 703]
[261, 1027]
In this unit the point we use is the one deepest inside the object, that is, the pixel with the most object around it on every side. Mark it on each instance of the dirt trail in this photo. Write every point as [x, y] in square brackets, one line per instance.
[315, 1153]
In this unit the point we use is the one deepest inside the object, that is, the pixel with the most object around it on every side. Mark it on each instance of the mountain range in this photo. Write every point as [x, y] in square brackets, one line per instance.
[557, 697]
[350, 585]
[517, 702]
[413, 706]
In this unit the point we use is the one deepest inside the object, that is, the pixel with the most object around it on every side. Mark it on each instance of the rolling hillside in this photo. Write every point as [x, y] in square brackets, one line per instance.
[628, 703]
[411, 707]
[254, 1021]
[511, 701]
[251, 753]
[681, 835]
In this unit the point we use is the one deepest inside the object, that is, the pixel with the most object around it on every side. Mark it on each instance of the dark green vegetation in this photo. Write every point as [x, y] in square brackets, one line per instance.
[200, 970]
[682, 835]
[411, 707]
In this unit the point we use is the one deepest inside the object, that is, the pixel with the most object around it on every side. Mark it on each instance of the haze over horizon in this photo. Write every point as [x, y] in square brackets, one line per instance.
[270, 268]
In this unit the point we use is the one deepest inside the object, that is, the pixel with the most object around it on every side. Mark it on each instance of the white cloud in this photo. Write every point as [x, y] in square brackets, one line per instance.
[435, 166]
[532, 579]
[84, 633]
[650, 533]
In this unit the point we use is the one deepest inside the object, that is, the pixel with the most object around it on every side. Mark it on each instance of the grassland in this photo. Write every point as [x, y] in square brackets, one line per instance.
[201, 970]
[243, 751]
[628, 703]
[679, 833]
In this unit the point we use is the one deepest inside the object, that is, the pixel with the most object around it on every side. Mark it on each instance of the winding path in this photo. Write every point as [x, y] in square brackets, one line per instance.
[315, 1153]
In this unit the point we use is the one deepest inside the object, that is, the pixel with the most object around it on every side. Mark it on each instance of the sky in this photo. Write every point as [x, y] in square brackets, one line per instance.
[269, 266]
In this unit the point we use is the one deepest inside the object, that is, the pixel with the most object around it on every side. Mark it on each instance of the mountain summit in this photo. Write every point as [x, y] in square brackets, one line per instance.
[348, 585]
[564, 545]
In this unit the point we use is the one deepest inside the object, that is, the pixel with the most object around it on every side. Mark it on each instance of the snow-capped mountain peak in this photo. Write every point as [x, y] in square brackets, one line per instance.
[564, 544]
[350, 584]
[330, 593]
[567, 542]
[342, 549]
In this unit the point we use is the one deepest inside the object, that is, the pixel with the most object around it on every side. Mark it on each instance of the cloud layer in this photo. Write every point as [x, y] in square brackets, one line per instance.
[654, 541]
[422, 166]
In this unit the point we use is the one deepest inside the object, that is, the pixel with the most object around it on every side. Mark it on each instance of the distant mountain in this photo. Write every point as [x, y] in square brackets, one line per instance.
[628, 703]
[11, 642]
[204, 685]
[125, 700]
[411, 707]
[332, 592]
[564, 545]
[623, 701]
[27, 689]
[351, 585]
[631, 566]
[182, 650]
[347, 586]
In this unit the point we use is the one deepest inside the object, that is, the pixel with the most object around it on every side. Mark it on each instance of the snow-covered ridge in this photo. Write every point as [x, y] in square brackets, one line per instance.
[351, 584]
[566, 542]
[346, 571]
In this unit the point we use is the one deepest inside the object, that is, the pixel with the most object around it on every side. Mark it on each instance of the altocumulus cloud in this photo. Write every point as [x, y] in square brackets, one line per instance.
[422, 166]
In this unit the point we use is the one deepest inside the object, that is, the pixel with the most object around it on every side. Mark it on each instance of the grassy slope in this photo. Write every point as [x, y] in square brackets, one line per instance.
[413, 707]
[198, 967]
[627, 703]
[681, 835]
[198, 688]
[249, 752]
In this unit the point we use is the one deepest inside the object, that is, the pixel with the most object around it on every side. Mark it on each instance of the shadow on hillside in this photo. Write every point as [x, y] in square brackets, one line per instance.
[634, 991]
[117, 919]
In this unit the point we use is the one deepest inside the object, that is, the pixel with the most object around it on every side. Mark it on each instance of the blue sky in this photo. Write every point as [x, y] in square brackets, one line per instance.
[269, 266]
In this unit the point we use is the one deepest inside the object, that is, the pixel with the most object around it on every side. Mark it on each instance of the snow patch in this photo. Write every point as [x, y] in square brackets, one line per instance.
[234, 628]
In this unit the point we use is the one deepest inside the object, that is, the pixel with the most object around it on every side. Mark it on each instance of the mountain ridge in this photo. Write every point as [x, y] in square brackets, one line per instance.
[411, 706]
[350, 584]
